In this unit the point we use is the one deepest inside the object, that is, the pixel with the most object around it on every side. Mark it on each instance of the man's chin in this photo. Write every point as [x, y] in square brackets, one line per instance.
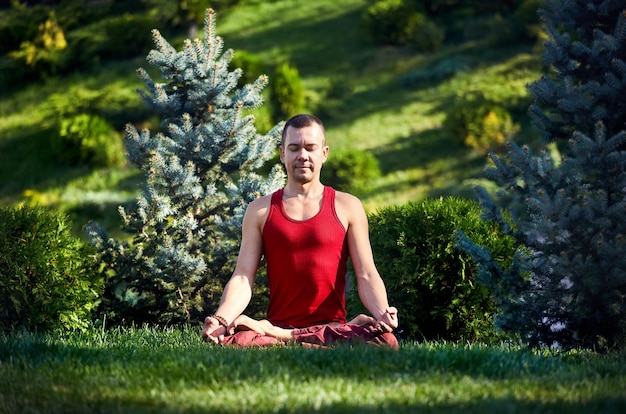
[303, 178]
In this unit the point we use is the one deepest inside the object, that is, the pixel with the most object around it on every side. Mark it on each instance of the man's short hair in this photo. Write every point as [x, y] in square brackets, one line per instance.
[301, 121]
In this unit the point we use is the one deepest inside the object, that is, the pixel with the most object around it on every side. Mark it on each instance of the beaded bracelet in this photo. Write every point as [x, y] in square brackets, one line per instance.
[221, 320]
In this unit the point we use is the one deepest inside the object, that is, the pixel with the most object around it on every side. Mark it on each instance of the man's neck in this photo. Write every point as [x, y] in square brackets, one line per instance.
[306, 191]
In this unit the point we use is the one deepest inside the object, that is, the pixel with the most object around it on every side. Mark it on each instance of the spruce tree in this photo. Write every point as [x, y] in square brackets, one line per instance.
[567, 285]
[199, 177]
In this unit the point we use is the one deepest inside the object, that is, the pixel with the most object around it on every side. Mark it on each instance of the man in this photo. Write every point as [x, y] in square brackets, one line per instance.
[306, 232]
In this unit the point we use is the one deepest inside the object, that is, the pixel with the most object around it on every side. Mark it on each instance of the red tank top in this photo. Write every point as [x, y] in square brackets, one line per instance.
[306, 265]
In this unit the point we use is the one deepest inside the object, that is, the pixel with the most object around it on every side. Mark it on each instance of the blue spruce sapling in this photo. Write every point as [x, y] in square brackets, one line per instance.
[567, 285]
[199, 178]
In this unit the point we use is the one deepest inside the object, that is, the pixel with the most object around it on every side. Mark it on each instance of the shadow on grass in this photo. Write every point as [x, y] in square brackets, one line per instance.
[482, 405]
[28, 161]
[141, 372]
[317, 44]
[446, 164]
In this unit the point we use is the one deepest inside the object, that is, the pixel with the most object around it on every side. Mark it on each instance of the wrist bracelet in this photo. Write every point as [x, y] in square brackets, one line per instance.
[221, 320]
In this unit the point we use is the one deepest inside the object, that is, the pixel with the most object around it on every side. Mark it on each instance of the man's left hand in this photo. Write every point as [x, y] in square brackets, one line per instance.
[388, 321]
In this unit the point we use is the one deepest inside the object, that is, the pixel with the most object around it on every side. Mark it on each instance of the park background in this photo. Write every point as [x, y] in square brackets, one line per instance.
[387, 100]
[383, 100]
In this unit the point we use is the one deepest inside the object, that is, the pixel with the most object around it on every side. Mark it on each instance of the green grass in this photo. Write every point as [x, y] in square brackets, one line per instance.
[390, 101]
[148, 370]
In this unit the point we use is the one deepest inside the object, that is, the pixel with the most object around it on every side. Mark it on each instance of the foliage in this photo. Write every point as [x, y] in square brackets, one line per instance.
[250, 64]
[44, 54]
[350, 171]
[527, 15]
[401, 22]
[40, 44]
[567, 284]
[48, 278]
[430, 281]
[113, 37]
[287, 91]
[88, 140]
[252, 67]
[199, 178]
[482, 124]
[101, 102]
[468, 7]
[19, 24]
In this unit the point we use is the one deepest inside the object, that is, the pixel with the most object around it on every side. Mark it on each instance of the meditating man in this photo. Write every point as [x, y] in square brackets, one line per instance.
[306, 232]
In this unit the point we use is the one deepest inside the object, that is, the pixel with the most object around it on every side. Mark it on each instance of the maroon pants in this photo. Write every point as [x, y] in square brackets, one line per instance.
[318, 336]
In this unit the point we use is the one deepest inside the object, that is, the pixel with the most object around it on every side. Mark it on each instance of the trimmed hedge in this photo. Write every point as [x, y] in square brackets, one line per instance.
[429, 280]
[351, 171]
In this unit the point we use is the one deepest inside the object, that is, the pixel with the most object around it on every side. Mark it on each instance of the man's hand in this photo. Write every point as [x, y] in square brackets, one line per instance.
[213, 331]
[388, 321]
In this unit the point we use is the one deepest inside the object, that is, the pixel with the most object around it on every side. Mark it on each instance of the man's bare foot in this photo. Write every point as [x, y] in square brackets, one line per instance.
[362, 319]
[245, 323]
[282, 334]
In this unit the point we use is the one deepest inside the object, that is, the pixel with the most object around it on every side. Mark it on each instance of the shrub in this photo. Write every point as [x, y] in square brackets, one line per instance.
[48, 279]
[481, 124]
[427, 278]
[116, 37]
[423, 33]
[253, 67]
[350, 171]
[44, 55]
[88, 139]
[126, 36]
[250, 64]
[398, 22]
[19, 24]
[287, 91]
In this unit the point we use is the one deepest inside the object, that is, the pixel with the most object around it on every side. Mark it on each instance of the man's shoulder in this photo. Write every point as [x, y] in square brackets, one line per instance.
[348, 206]
[346, 199]
[260, 203]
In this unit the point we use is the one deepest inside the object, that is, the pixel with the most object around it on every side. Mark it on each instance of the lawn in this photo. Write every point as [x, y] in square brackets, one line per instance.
[156, 370]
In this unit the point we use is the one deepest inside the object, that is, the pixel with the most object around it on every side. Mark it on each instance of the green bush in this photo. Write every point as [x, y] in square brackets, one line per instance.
[116, 37]
[528, 17]
[287, 91]
[13, 75]
[400, 22]
[19, 24]
[251, 65]
[480, 124]
[350, 171]
[427, 278]
[44, 54]
[86, 139]
[48, 279]
[423, 33]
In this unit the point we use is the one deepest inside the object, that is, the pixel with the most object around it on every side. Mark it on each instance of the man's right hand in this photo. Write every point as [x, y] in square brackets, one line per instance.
[213, 331]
